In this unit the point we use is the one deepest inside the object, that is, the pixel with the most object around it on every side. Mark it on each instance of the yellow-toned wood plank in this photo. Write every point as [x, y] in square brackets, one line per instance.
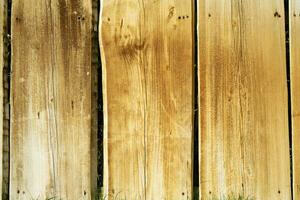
[50, 99]
[147, 59]
[295, 91]
[243, 99]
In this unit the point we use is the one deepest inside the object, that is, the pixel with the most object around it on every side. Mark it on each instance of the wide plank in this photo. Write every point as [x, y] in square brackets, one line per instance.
[147, 59]
[244, 135]
[51, 99]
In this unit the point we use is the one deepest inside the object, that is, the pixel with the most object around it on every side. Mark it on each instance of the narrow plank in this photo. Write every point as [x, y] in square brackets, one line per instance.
[51, 99]
[2, 20]
[295, 93]
[147, 59]
[243, 99]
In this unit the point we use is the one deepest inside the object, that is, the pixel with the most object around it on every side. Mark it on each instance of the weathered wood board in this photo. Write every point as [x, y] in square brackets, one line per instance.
[2, 20]
[147, 59]
[50, 99]
[295, 91]
[244, 146]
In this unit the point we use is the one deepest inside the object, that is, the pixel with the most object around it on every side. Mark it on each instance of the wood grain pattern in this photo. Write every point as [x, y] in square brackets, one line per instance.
[50, 99]
[244, 146]
[147, 59]
[2, 20]
[295, 91]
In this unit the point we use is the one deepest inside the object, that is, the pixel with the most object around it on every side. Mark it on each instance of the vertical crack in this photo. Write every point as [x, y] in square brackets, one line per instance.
[6, 100]
[97, 107]
[196, 109]
[96, 61]
[287, 45]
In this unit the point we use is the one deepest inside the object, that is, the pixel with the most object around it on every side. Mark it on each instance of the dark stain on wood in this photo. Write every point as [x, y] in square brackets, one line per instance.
[171, 12]
[18, 19]
[276, 14]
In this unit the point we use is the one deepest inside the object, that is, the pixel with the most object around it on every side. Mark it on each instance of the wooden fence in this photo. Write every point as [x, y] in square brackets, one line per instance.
[234, 64]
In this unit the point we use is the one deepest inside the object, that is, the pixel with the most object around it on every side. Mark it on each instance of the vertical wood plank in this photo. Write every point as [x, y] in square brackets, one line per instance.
[2, 20]
[295, 93]
[147, 59]
[243, 99]
[51, 99]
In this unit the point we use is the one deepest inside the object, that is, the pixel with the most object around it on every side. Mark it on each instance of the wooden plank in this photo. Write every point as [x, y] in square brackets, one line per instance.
[147, 59]
[51, 99]
[243, 99]
[295, 94]
[2, 20]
